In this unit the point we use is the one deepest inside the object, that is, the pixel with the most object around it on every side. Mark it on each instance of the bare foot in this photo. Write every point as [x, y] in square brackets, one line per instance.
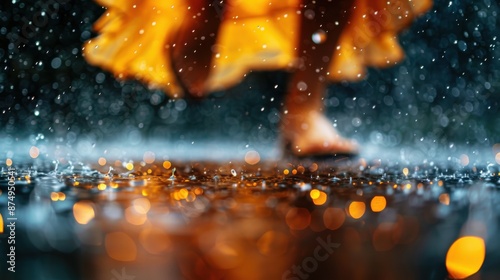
[311, 134]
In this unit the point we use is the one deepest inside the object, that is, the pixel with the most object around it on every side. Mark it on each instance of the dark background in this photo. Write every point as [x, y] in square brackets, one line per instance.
[444, 94]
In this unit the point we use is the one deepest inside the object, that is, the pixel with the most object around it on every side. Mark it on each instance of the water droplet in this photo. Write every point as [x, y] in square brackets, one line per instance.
[233, 172]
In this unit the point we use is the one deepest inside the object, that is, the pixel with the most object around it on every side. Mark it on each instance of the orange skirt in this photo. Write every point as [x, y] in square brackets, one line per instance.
[135, 37]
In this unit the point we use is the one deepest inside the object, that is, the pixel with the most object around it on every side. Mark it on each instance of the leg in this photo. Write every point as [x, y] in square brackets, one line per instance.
[304, 125]
[192, 55]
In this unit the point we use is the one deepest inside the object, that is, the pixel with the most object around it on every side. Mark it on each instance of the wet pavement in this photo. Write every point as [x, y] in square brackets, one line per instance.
[342, 218]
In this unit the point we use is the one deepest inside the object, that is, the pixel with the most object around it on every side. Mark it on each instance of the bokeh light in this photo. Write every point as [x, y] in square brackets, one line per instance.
[378, 203]
[34, 152]
[356, 209]
[120, 246]
[1, 224]
[154, 240]
[252, 157]
[333, 218]
[83, 211]
[298, 218]
[465, 256]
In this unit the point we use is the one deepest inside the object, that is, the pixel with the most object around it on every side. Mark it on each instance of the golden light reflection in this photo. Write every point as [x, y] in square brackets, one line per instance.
[314, 167]
[149, 157]
[252, 157]
[198, 191]
[54, 196]
[129, 166]
[167, 164]
[273, 243]
[34, 152]
[62, 196]
[318, 197]
[8, 162]
[357, 209]
[225, 255]
[141, 205]
[135, 218]
[333, 218]
[286, 172]
[464, 160]
[465, 256]
[314, 194]
[154, 240]
[83, 211]
[102, 161]
[406, 171]
[378, 203]
[444, 198]
[1, 224]
[120, 247]
[57, 196]
[298, 218]
[101, 186]
[383, 237]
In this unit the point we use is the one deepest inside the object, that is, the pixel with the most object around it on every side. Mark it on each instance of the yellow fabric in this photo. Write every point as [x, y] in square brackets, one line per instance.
[134, 40]
[135, 37]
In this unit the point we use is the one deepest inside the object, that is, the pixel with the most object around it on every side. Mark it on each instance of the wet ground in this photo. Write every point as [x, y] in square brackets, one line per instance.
[339, 218]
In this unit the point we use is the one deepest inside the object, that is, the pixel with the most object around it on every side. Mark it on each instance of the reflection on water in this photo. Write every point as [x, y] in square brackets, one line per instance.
[157, 219]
